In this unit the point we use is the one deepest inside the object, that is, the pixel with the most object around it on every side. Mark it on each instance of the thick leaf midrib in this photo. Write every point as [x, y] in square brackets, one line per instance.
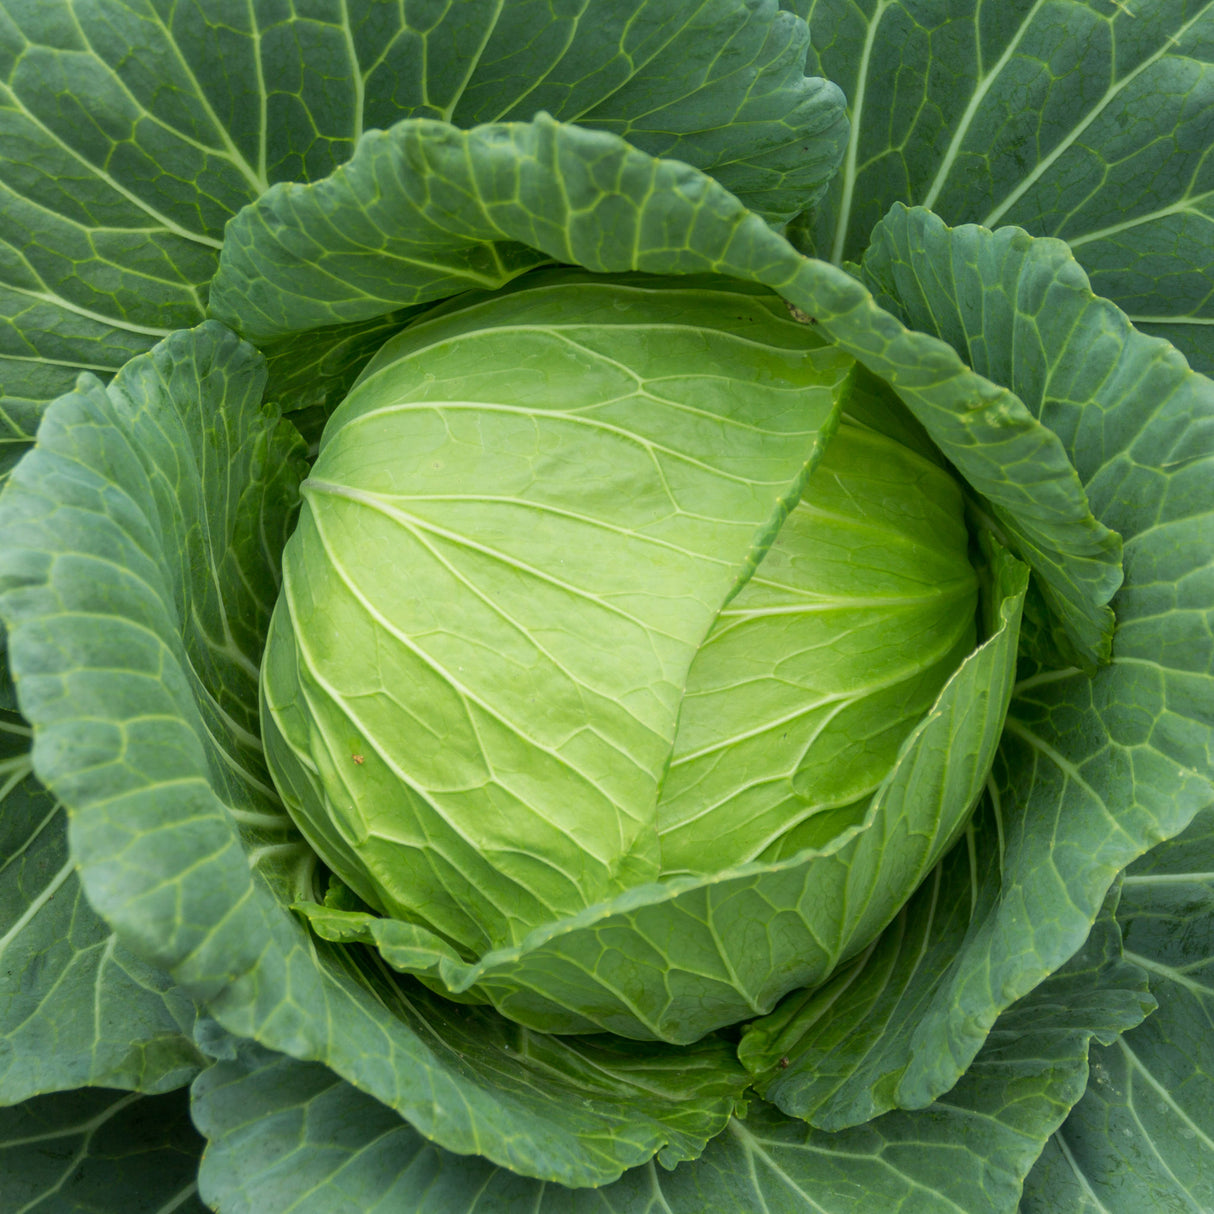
[1161, 318]
[96, 368]
[981, 86]
[1171, 973]
[1068, 769]
[36, 904]
[162, 221]
[1187, 205]
[233, 154]
[1167, 1097]
[850, 167]
[955, 588]
[13, 771]
[1168, 878]
[562, 329]
[563, 512]
[87, 313]
[1078, 1173]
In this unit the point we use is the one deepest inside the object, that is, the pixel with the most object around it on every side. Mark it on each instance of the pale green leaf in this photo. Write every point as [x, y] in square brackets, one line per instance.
[675, 959]
[577, 475]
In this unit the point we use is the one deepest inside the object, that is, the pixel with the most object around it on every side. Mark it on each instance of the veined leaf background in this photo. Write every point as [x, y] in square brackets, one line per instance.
[1032, 1030]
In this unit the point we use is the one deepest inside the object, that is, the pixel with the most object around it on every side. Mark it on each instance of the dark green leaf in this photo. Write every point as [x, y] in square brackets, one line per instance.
[1143, 1135]
[131, 131]
[1018, 311]
[288, 1132]
[1083, 119]
[94, 1151]
[76, 1007]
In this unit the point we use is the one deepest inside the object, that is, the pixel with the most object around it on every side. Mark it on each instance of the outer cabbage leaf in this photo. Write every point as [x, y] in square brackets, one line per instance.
[1110, 763]
[1159, 778]
[423, 208]
[76, 1007]
[133, 130]
[141, 541]
[1083, 119]
[1019, 311]
[98, 1150]
[282, 1130]
[1141, 1137]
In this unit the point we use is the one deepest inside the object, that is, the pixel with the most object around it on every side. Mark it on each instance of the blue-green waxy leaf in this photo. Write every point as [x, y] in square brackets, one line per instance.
[131, 131]
[140, 550]
[1088, 120]
[288, 1131]
[99, 1150]
[76, 1007]
[1142, 1136]
[1091, 771]
[1019, 311]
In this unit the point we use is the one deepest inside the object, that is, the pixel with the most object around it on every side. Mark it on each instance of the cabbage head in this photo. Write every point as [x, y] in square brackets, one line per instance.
[609, 638]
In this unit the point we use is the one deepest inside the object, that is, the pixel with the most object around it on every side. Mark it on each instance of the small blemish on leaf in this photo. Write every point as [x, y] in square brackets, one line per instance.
[783, 1064]
[358, 759]
[798, 315]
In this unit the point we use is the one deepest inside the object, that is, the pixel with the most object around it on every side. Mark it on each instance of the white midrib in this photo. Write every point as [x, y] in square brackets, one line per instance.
[31, 911]
[1094, 112]
[849, 168]
[976, 98]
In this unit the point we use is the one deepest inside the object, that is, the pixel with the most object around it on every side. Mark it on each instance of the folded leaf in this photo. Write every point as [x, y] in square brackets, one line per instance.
[424, 210]
[264, 1114]
[1019, 312]
[575, 476]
